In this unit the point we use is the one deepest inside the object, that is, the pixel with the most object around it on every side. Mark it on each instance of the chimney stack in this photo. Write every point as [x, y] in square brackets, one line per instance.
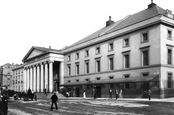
[109, 22]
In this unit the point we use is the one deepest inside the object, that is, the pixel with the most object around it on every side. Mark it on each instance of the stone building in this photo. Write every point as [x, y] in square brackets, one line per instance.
[43, 69]
[17, 78]
[134, 54]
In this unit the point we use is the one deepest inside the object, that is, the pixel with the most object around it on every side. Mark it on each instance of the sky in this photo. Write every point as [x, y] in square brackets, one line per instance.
[58, 23]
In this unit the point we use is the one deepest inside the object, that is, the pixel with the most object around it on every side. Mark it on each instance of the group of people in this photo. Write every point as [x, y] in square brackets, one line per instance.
[118, 93]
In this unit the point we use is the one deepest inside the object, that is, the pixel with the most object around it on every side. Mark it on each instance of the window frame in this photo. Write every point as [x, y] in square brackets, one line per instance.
[124, 42]
[77, 68]
[169, 38]
[109, 62]
[169, 62]
[97, 67]
[110, 47]
[69, 69]
[142, 50]
[97, 50]
[142, 37]
[125, 65]
[169, 82]
[86, 69]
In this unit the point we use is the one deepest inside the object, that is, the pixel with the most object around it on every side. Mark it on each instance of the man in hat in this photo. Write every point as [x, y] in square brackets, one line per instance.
[54, 99]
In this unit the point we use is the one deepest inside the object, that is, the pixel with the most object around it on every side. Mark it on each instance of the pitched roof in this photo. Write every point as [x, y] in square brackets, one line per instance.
[125, 22]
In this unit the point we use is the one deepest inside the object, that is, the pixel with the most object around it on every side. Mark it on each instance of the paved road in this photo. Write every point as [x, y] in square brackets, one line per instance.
[79, 106]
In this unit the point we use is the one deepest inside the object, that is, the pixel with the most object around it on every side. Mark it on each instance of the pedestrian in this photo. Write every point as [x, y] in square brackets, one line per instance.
[110, 93]
[120, 94]
[54, 99]
[67, 94]
[4, 107]
[116, 94]
[84, 94]
[149, 94]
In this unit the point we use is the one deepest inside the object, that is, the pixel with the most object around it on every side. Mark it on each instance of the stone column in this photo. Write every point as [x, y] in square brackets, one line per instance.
[42, 78]
[34, 78]
[38, 78]
[50, 76]
[25, 80]
[28, 85]
[61, 73]
[31, 78]
[46, 76]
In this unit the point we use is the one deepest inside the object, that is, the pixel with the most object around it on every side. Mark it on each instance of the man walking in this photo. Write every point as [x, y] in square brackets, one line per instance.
[54, 99]
[149, 94]
[110, 93]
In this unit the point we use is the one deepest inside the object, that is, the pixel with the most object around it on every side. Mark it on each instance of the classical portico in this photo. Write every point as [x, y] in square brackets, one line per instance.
[43, 69]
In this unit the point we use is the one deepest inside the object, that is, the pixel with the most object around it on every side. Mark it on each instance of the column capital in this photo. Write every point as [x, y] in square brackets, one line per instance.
[50, 61]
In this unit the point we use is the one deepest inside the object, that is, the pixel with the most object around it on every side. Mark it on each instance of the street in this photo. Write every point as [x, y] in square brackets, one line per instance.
[79, 106]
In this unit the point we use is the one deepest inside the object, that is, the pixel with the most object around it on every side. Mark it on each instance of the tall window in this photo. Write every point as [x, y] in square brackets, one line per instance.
[98, 65]
[98, 50]
[111, 62]
[145, 57]
[169, 56]
[111, 46]
[169, 80]
[126, 42]
[77, 68]
[69, 70]
[145, 37]
[169, 34]
[126, 60]
[86, 66]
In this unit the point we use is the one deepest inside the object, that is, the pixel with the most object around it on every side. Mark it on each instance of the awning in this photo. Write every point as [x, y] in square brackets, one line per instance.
[154, 78]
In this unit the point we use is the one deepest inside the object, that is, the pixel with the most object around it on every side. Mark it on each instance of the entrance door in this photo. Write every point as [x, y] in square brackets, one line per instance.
[78, 92]
[145, 88]
[98, 91]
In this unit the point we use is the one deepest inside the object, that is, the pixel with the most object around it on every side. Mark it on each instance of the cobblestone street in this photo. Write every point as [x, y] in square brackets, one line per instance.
[79, 106]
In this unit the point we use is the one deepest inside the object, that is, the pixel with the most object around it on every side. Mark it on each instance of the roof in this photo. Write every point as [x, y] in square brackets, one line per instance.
[43, 51]
[153, 78]
[125, 22]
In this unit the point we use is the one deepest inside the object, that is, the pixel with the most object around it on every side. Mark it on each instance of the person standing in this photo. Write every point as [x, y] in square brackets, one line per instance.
[149, 94]
[84, 94]
[116, 94]
[110, 93]
[4, 103]
[54, 99]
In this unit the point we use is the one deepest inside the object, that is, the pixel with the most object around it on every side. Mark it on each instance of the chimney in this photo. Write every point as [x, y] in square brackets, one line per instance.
[109, 22]
[152, 4]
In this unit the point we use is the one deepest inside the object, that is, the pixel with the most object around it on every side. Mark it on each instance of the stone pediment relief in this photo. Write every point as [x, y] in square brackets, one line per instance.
[35, 53]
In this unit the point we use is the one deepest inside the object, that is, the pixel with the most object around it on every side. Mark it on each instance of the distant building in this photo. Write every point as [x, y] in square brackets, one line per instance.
[17, 78]
[134, 54]
[7, 75]
[1, 73]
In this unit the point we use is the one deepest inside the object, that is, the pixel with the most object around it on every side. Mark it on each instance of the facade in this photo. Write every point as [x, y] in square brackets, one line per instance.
[133, 55]
[7, 75]
[1, 73]
[17, 78]
[43, 69]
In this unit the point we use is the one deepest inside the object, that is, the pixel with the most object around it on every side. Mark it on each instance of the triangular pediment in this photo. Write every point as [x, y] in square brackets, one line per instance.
[34, 52]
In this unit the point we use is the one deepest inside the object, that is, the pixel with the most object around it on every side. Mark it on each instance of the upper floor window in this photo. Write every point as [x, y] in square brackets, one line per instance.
[111, 46]
[145, 37]
[169, 56]
[145, 57]
[98, 50]
[169, 34]
[69, 69]
[77, 55]
[97, 65]
[86, 66]
[126, 60]
[86, 53]
[69, 58]
[111, 62]
[77, 68]
[126, 42]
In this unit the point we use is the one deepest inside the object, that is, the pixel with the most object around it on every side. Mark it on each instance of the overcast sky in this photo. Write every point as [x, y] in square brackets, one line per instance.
[58, 23]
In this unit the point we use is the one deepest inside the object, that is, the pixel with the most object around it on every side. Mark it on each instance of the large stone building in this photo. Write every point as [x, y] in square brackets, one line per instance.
[7, 75]
[43, 69]
[134, 54]
[17, 78]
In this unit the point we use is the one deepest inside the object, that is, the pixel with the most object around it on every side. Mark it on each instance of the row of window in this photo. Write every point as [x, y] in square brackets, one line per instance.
[126, 62]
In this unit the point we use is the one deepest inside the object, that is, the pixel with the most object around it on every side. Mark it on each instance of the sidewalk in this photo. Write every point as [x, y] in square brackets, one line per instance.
[125, 99]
